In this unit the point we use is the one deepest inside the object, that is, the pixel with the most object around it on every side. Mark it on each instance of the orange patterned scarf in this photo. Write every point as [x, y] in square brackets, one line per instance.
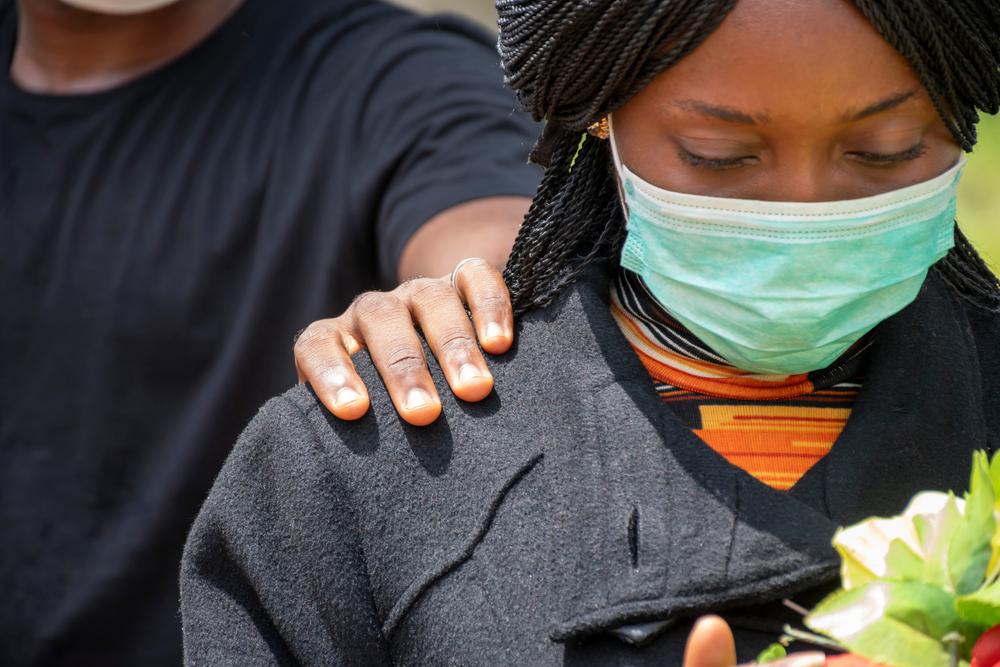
[775, 427]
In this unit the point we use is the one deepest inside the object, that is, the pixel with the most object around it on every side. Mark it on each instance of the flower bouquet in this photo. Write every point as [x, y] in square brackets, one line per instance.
[921, 589]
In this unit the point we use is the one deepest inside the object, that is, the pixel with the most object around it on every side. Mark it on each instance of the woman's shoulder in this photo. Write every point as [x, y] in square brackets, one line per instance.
[985, 327]
[978, 312]
[558, 352]
[560, 356]
[981, 314]
[968, 282]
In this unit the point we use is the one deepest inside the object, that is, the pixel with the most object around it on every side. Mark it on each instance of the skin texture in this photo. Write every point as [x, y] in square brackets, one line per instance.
[710, 644]
[62, 50]
[384, 321]
[773, 96]
[486, 226]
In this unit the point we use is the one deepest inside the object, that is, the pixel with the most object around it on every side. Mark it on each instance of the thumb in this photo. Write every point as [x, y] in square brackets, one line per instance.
[710, 644]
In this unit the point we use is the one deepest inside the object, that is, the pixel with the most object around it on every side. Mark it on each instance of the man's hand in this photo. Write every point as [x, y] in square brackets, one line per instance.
[384, 323]
[711, 644]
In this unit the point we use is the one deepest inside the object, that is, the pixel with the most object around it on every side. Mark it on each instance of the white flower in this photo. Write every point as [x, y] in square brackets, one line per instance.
[847, 622]
[865, 547]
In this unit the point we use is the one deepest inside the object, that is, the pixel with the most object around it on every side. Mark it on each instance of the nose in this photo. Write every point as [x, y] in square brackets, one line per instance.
[802, 180]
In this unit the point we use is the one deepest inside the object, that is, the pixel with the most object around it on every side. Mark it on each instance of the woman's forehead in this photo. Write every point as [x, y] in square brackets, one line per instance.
[775, 58]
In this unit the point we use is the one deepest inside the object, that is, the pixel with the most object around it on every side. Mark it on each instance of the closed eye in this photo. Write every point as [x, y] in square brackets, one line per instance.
[893, 158]
[715, 163]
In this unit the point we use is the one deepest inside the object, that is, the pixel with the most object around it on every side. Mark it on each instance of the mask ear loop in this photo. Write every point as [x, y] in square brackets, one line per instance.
[618, 166]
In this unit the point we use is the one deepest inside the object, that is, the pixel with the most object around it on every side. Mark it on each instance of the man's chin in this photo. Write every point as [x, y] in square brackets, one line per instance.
[119, 7]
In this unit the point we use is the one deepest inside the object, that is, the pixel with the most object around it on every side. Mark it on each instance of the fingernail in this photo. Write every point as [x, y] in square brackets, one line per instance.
[468, 373]
[416, 399]
[346, 396]
[494, 330]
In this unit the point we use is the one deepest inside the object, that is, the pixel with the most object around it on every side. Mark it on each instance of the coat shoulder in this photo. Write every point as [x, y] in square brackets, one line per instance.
[984, 326]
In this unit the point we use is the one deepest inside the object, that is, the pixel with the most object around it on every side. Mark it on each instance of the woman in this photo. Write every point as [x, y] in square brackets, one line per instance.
[820, 346]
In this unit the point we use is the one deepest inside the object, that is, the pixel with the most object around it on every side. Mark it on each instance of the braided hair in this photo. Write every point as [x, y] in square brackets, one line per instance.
[572, 62]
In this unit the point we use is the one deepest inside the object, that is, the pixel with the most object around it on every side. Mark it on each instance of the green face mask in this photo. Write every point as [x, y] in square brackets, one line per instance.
[783, 287]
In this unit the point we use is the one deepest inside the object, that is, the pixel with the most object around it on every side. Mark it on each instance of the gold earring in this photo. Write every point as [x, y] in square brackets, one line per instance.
[600, 129]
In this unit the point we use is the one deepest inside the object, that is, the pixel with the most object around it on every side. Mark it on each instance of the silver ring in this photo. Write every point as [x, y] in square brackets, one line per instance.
[455, 272]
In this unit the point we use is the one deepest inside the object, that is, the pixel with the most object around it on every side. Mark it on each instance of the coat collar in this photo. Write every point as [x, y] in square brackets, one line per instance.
[636, 517]
[713, 537]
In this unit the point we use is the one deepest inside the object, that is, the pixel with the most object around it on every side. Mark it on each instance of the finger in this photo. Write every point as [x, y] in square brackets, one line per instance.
[386, 328]
[710, 644]
[481, 286]
[323, 359]
[446, 327]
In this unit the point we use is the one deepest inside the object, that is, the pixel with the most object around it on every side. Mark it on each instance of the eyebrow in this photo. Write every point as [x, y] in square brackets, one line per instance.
[877, 108]
[727, 114]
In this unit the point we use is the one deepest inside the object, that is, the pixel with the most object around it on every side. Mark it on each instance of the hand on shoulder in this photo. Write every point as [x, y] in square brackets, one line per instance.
[383, 322]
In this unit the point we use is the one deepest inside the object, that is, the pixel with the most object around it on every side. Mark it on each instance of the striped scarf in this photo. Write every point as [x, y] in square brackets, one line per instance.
[775, 427]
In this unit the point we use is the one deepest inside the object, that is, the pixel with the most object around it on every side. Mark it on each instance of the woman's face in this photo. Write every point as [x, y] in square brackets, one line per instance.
[788, 100]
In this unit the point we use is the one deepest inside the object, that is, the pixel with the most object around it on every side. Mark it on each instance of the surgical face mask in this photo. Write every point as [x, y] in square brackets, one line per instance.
[783, 288]
[119, 7]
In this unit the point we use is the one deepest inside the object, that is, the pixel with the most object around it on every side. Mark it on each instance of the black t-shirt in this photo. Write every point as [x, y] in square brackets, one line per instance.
[160, 245]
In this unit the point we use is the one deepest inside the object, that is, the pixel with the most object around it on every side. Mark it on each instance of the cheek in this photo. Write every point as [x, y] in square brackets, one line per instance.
[932, 165]
[676, 176]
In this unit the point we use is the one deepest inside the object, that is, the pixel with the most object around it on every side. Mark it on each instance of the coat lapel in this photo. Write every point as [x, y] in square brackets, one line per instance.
[709, 536]
[641, 520]
[917, 419]
[721, 538]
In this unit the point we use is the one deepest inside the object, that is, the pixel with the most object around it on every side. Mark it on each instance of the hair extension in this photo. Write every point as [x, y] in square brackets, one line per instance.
[572, 62]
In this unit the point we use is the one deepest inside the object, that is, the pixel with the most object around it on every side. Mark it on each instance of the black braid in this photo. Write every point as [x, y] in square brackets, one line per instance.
[546, 249]
[965, 272]
[572, 62]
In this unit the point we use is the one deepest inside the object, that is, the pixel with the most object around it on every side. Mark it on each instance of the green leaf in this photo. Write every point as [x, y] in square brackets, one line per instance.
[970, 551]
[995, 474]
[901, 564]
[972, 577]
[927, 609]
[993, 569]
[894, 643]
[915, 613]
[579, 147]
[935, 533]
[980, 476]
[981, 607]
[771, 653]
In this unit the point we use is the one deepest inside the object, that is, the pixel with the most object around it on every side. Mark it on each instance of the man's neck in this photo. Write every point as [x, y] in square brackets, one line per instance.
[62, 50]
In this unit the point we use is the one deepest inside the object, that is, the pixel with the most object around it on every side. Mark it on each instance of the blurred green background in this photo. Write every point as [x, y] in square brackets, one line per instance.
[979, 193]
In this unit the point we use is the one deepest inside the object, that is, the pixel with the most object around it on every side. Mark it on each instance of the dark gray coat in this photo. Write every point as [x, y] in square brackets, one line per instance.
[518, 530]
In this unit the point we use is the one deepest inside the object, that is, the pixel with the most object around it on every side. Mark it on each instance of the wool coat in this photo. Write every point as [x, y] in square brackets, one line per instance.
[523, 529]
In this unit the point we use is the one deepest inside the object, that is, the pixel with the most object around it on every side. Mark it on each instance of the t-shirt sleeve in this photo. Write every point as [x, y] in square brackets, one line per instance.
[440, 129]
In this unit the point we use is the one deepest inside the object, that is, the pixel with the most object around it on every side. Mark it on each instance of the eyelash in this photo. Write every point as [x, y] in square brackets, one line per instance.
[713, 163]
[717, 164]
[905, 156]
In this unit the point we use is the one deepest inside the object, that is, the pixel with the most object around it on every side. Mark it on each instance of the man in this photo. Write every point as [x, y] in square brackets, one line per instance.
[184, 184]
